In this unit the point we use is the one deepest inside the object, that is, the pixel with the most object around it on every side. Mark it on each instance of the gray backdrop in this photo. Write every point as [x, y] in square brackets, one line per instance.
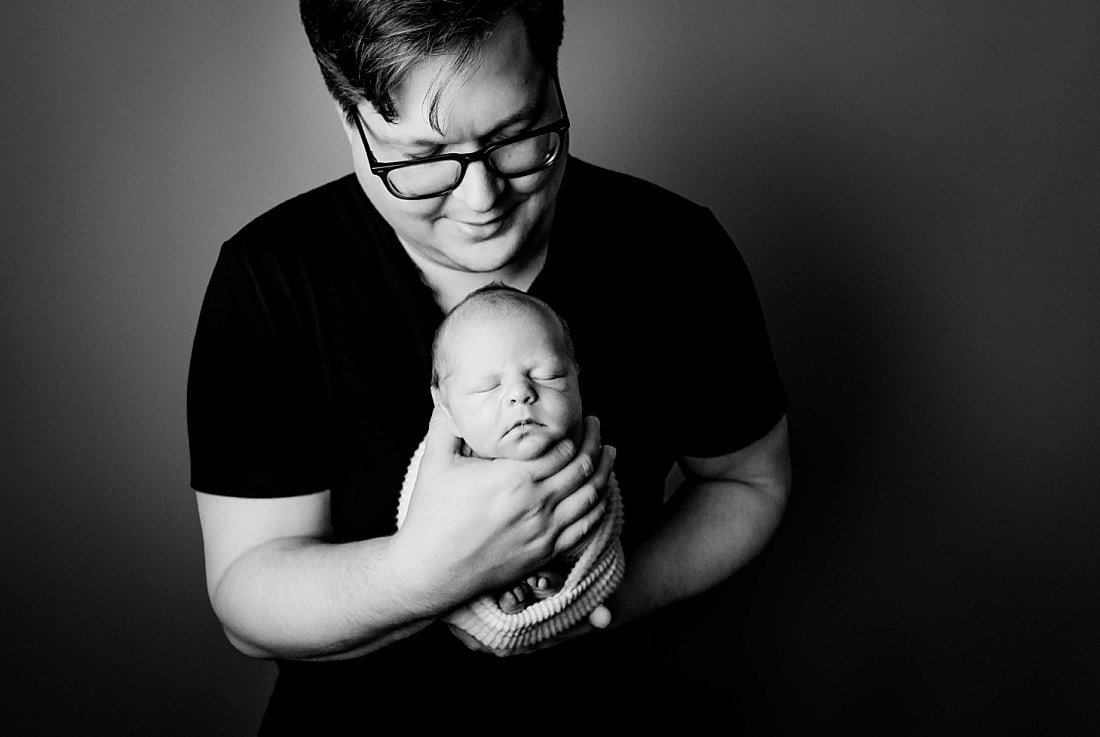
[915, 186]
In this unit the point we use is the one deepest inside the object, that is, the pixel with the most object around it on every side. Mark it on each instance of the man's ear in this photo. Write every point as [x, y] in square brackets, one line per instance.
[349, 129]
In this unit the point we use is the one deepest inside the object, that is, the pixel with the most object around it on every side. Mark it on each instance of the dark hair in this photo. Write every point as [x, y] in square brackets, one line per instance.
[366, 47]
[496, 296]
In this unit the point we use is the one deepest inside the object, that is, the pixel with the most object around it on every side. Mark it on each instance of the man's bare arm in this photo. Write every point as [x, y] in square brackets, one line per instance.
[282, 589]
[721, 516]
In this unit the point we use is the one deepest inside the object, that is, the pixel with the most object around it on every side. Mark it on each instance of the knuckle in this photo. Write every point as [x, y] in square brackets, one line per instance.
[579, 476]
[586, 466]
[583, 528]
[519, 478]
[537, 515]
[544, 550]
[598, 494]
[590, 496]
[599, 510]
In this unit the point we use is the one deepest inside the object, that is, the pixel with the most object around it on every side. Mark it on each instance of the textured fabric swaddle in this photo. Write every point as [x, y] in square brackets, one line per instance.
[594, 573]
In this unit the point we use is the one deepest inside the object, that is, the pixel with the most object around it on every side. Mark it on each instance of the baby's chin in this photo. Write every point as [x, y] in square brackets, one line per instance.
[525, 451]
[527, 445]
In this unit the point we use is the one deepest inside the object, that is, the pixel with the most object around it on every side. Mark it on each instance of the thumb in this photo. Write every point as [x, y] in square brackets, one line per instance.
[440, 444]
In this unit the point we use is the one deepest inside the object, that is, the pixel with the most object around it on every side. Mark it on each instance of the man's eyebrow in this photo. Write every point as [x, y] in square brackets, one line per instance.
[527, 112]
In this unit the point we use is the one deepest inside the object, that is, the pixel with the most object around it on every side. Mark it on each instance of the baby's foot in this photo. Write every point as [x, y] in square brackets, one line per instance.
[545, 584]
[515, 599]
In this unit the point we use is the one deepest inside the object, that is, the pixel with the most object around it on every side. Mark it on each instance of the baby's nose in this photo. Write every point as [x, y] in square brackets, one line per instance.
[522, 392]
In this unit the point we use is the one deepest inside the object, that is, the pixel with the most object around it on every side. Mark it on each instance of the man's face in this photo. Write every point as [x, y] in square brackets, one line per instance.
[486, 222]
[509, 387]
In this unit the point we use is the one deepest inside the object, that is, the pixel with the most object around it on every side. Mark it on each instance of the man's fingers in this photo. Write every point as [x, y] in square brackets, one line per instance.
[603, 470]
[591, 442]
[575, 534]
[565, 453]
[583, 476]
[552, 462]
[578, 471]
[579, 512]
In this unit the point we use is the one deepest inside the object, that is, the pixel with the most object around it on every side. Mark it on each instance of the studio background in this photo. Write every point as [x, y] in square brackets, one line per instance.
[914, 185]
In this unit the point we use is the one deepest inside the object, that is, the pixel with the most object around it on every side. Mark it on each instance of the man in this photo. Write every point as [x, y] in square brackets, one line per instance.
[309, 385]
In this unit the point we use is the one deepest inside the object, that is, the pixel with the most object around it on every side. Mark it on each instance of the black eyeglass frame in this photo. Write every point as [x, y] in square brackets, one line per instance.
[381, 169]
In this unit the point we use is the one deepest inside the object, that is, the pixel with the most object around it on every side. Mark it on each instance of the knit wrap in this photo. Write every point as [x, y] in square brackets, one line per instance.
[595, 571]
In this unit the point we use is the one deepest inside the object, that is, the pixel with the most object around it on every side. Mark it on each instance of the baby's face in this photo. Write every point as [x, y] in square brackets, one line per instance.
[509, 387]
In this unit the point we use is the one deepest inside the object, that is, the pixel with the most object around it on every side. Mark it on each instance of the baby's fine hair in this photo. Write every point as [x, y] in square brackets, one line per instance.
[496, 299]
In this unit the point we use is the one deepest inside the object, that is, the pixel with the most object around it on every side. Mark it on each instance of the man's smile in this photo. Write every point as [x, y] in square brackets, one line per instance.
[483, 227]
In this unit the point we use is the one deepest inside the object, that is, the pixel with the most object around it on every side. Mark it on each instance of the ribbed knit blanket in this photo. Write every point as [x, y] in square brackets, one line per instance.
[595, 572]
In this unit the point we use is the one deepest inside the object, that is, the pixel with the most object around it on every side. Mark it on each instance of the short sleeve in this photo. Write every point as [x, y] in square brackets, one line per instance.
[254, 428]
[724, 351]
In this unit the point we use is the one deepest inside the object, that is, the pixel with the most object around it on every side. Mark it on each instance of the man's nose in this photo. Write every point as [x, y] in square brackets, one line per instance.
[479, 188]
[522, 392]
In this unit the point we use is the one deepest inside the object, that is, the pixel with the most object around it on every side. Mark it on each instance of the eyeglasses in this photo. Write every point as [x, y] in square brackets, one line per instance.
[434, 176]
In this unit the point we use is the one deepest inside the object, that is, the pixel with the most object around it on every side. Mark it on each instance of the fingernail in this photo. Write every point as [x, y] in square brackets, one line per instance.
[612, 452]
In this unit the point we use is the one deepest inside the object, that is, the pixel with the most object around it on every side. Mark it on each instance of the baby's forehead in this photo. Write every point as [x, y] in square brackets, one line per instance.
[486, 312]
[494, 318]
[454, 344]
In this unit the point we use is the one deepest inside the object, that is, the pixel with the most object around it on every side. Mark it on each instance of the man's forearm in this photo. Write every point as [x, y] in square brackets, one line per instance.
[710, 529]
[305, 599]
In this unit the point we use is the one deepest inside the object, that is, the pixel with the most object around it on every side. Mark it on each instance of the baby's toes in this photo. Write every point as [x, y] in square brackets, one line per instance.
[545, 583]
[515, 599]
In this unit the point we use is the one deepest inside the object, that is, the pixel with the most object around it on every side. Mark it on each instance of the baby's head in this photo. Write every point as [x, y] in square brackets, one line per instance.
[504, 374]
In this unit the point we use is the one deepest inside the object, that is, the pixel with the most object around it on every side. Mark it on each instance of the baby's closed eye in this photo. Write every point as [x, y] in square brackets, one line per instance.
[548, 376]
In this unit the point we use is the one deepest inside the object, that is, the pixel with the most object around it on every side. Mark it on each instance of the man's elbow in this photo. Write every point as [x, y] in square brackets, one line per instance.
[234, 616]
[778, 489]
[230, 620]
[773, 475]
[246, 647]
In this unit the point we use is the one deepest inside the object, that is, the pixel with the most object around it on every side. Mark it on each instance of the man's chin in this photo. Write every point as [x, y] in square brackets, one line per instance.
[483, 256]
[511, 245]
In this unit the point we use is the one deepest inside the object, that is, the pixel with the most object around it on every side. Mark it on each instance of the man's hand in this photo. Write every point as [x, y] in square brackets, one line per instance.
[476, 525]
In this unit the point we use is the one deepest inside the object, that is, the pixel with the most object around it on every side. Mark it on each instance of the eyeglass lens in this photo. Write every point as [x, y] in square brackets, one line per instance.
[515, 159]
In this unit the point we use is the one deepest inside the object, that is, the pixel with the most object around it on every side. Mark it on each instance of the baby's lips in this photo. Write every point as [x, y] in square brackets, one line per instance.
[526, 422]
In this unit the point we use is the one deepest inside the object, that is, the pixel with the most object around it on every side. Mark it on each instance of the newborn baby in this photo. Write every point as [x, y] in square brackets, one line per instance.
[505, 379]
[505, 376]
